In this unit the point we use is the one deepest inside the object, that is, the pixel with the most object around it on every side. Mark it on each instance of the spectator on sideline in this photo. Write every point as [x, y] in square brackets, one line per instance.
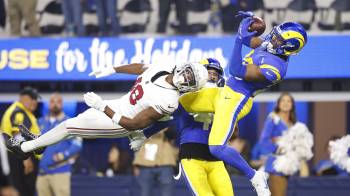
[19, 10]
[73, 17]
[8, 191]
[118, 162]
[326, 167]
[107, 11]
[154, 163]
[281, 119]
[181, 15]
[55, 165]
[22, 173]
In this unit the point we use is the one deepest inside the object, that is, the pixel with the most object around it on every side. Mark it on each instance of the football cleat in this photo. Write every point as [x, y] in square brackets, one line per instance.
[14, 146]
[28, 136]
[260, 184]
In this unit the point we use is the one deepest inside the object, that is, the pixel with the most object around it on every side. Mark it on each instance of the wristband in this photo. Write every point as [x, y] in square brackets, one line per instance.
[116, 118]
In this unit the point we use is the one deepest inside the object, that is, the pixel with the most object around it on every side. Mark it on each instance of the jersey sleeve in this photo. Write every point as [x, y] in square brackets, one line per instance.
[165, 104]
[272, 69]
[165, 108]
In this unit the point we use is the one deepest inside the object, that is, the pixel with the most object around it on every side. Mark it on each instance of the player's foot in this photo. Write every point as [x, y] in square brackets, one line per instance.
[260, 184]
[28, 136]
[14, 146]
[137, 138]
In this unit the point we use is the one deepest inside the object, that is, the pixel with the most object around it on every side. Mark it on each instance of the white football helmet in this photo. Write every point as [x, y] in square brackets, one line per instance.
[190, 77]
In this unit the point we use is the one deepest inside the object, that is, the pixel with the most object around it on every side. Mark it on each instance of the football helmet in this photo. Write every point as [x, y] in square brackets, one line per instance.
[211, 63]
[190, 77]
[285, 39]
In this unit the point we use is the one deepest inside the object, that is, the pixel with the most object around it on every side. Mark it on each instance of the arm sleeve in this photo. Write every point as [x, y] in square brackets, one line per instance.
[166, 107]
[236, 68]
[271, 73]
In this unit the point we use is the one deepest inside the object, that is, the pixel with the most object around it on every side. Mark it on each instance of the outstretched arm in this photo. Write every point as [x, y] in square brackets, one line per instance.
[142, 120]
[134, 68]
[252, 42]
[248, 72]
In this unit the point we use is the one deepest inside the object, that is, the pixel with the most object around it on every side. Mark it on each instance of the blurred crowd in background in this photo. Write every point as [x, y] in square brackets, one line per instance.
[115, 17]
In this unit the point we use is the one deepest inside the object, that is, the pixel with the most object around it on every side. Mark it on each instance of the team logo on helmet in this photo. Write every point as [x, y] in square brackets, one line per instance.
[286, 39]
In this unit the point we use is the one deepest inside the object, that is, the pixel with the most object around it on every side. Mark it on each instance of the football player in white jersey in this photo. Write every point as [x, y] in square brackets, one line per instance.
[154, 95]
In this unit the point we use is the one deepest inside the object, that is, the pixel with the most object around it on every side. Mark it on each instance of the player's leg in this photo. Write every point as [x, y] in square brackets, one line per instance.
[229, 108]
[89, 124]
[196, 177]
[219, 179]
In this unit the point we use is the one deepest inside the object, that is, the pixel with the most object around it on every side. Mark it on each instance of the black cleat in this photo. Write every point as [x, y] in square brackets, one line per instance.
[14, 146]
[28, 136]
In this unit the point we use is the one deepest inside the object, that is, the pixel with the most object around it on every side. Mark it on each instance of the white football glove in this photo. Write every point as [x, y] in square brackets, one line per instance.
[137, 139]
[102, 71]
[95, 101]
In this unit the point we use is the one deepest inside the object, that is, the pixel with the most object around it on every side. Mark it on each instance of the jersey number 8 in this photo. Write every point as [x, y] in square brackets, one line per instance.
[136, 92]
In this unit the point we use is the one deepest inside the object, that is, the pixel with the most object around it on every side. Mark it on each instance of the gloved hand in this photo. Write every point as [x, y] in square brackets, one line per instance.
[95, 101]
[243, 33]
[245, 14]
[137, 139]
[102, 71]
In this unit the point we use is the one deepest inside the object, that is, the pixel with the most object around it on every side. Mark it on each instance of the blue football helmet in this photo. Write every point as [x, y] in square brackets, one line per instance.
[286, 39]
[211, 63]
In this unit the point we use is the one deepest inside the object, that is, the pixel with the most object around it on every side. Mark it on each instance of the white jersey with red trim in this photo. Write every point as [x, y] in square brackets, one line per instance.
[150, 90]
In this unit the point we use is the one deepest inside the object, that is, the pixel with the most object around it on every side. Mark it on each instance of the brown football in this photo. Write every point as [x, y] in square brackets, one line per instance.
[258, 25]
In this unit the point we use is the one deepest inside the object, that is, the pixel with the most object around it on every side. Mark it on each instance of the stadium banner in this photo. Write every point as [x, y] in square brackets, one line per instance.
[74, 58]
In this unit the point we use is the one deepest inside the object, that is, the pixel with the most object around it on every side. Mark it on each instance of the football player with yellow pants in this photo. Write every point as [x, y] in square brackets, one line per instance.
[262, 68]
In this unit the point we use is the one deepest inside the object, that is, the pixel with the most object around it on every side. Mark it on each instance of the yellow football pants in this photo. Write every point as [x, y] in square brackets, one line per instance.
[207, 178]
[228, 107]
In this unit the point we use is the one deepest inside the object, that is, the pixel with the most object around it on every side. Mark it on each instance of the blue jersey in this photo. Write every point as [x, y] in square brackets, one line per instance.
[192, 128]
[272, 67]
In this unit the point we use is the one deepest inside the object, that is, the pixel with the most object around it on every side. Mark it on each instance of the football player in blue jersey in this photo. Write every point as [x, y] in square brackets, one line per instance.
[265, 66]
[204, 173]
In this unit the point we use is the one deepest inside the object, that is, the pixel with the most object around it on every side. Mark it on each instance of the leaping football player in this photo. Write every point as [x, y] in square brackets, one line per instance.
[265, 66]
[154, 95]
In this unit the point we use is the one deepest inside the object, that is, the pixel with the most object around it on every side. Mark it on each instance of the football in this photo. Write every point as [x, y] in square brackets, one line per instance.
[258, 25]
